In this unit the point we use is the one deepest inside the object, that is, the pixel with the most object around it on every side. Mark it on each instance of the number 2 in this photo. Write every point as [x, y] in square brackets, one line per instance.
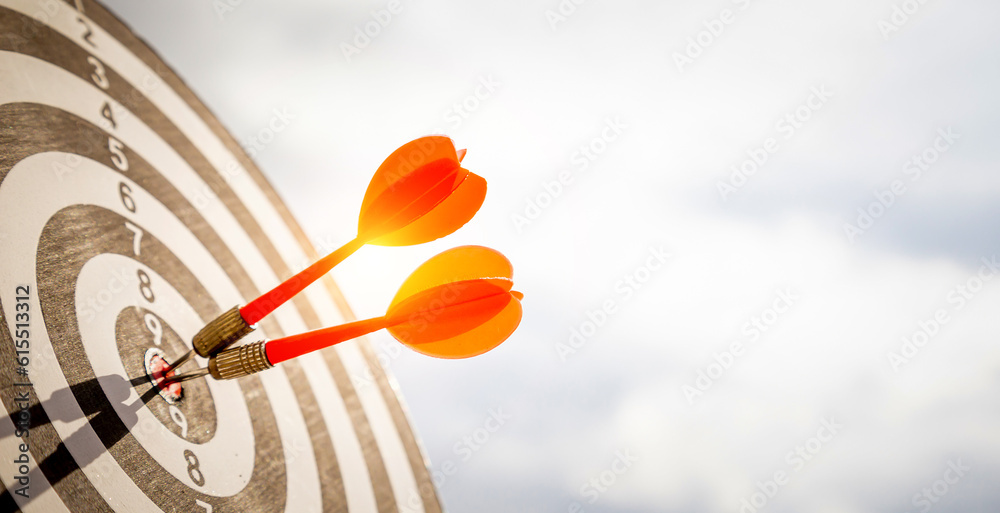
[87, 34]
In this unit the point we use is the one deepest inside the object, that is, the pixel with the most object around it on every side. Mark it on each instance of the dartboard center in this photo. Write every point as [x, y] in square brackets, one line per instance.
[157, 371]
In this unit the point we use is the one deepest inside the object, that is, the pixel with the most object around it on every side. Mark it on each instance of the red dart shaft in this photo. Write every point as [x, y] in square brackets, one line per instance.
[286, 348]
[257, 309]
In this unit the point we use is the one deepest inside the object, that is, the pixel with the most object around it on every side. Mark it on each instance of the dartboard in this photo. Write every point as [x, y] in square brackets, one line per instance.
[129, 218]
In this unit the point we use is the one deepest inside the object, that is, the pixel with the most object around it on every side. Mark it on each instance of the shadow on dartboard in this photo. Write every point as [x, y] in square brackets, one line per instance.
[107, 422]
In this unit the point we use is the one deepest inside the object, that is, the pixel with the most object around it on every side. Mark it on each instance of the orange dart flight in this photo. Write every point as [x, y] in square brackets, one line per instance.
[458, 304]
[420, 193]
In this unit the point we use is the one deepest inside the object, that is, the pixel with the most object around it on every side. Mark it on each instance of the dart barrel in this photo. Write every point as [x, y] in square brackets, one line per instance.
[239, 361]
[221, 333]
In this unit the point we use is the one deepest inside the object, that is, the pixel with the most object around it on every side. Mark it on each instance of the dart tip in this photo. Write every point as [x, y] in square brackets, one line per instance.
[180, 361]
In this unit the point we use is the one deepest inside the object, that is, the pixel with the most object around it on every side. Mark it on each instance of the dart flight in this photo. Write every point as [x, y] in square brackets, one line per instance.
[420, 193]
[458, 304]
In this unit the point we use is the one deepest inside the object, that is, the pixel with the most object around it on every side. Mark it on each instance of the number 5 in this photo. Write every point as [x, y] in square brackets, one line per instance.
[118, 157]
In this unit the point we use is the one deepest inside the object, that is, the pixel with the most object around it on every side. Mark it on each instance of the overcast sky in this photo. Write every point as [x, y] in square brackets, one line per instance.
[743, 334]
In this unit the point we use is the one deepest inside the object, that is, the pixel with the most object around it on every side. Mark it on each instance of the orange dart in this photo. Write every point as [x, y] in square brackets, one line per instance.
[420, 193]
[458, 304]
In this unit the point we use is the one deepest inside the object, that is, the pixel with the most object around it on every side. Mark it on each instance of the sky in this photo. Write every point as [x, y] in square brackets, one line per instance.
[756, 238]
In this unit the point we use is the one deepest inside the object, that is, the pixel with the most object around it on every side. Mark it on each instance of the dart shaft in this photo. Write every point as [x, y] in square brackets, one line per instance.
[286, 348]
[186, 376]
[257, 309]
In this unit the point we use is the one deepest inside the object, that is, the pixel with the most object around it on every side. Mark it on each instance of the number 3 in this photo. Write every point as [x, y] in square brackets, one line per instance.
[99, 76]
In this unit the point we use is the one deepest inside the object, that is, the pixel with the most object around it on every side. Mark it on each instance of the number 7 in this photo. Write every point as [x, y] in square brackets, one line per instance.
[138, 236]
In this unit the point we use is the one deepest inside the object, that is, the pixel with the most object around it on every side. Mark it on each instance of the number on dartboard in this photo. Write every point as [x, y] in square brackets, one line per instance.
[125, 192]
[193, 471]
[137, 240]
[87, 32]
[99, 76]
[153, 325]
[108, 115]
[178, 417]
[118, 157]
[145, 286]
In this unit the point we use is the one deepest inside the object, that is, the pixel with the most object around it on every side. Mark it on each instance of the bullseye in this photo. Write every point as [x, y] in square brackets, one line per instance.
[158, 371]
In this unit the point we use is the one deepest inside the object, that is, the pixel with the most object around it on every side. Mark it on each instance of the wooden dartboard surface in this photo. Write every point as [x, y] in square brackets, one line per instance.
[128, 219]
